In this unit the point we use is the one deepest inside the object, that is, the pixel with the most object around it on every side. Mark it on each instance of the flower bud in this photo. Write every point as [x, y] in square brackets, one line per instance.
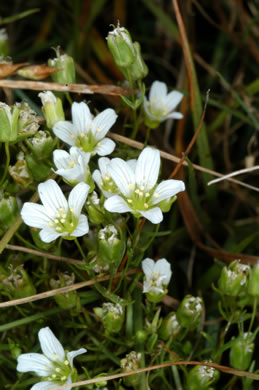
[138, 70]
[157, 278]
[253, 283]
[170, 327]
[14, 348]
[41, 144]
[121, 47]
[52, 108]
[19, 171]
[8, 211]
[3, 43]
[131, 362]
[189, 312]
[201, 377]
[28, 123]
[66, 73]
[241, 351]
[233, 279]
[18, 283]
[96, 212]
[70, 299]
[112, 316]
[111, 247]
[8, 123]
[38, 169]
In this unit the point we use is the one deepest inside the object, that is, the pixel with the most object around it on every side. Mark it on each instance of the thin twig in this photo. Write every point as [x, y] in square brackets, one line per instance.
[171, 157]
[78, 88]
[239, 172]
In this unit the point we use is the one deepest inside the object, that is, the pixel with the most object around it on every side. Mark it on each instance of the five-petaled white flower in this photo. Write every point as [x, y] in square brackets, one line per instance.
[157, 278]
[72, 166]
[161, 105]
[57, 217]
[139, 192]
[103, 178]
[55, 366]
[87, 133]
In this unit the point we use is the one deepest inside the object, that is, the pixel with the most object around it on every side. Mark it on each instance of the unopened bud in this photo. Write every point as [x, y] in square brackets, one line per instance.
[131, 362]
[233, 279]
[8, 123]
[28, 123]
[41, 144]
[111, 247]
[170, 327]
[138, 69]
[241, 351]
[18, 283]
[189, 312]
[67, 300]
[121, 47]
[201, 377]
[8, 211]
[96, 212]
[20, 172]
[66, 73]
[112, 316]
[52, 108]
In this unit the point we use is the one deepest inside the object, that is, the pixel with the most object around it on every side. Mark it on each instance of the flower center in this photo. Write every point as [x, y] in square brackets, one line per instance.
[86, 140]
[157, 108]
[60, 372]
[65, 221]
[108, 184]
[141, 198]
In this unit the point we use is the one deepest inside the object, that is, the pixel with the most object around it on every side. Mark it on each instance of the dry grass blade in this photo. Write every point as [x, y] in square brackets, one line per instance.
[61, 290]
[77, 88]
[239, 172]
[171, 157]
[225, 369]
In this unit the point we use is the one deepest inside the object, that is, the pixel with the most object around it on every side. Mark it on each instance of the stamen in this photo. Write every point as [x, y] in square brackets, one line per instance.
[58, 229]
[61, 210]
[53, 376]
[55, 356]
[56, 220]
[63, 377]
[71, 164]
[72, 211]
[137, 191]
[147, 194]
[142, 188]
[62, 220]
[51, 224]
[57, 369]
[141, 193]
[66, 362]
[72, 136]
[82, 135]
[146, 205]
[129, 200]
[130, 186]
[98, 129]
[71, 224]
[156, 195]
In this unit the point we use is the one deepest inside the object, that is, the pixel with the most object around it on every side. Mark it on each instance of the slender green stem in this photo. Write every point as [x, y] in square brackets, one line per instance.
[253, 315]
[7, 152]
[147, 137]
[80, 249]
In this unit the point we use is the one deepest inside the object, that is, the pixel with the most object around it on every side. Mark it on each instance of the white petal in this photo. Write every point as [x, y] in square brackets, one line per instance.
[52, 197]
[103, 122]
[77, 197]
[148, 266]
[163, 267]
[175, 115]
[103, 163]
[132, 164]
[45, 386]
[61, 158]
[35, 215]
[50, 345]
[82, 227]
[166, 189]
[48, 234]
[76, 154]
[105, 146]
[158, 91]
[122, 175]
[147, 168]
[173, 99]
[81, 117]
[154, 215]
[71, 355]
[97, 178]
[65, 131]
[116, 204]
[34, 362]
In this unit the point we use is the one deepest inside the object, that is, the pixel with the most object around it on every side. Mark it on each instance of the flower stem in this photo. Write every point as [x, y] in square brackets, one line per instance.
[80, 249]
[147, 137]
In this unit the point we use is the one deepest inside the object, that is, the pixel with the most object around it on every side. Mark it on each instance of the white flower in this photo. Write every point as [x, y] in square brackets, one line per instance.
[87, 133]
[103, 178]
[161, 105]
[47, 97]
[72, 166]
[157, 278]
[139, 192]
[54, 365]
[57, 217]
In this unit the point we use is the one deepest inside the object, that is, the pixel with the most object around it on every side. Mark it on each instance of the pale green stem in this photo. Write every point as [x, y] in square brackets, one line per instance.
[7, 152]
